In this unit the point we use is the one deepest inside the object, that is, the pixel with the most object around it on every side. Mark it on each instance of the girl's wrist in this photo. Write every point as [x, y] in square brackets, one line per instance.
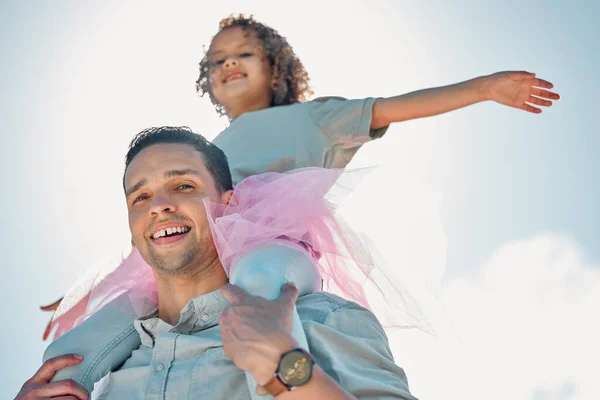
[482, 88]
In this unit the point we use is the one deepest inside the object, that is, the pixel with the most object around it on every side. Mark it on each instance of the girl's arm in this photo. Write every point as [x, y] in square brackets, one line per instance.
[513, 89]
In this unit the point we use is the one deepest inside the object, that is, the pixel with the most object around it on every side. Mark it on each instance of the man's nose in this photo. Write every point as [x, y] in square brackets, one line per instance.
[162, 204]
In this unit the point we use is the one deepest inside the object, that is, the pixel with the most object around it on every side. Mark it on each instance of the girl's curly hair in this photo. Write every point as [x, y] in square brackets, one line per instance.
[290, 82]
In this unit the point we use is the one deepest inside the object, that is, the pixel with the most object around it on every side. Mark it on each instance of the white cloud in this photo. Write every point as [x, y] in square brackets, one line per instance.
[527, 328]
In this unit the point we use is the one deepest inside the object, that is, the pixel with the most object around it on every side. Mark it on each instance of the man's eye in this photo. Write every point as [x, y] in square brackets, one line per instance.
[184, 186]
[140, 198]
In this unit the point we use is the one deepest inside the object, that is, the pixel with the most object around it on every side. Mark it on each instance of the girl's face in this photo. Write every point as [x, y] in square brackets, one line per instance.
[240, 72]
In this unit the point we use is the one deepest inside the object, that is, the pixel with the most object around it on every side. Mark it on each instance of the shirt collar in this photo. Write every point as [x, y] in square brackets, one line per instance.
[200, 313]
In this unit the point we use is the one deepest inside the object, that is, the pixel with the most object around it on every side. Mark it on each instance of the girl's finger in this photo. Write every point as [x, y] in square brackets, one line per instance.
[539, 102]
[542, 83]
[530, 109]
[545, 94]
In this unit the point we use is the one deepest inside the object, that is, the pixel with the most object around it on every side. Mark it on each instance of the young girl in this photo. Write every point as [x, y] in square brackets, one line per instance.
[253, 77]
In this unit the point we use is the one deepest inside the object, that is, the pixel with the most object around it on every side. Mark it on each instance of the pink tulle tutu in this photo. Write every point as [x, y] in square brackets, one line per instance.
[298, 206]
[98, 288]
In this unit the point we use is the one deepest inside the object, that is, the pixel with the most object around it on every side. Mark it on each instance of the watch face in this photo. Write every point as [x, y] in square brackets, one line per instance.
[295, 368]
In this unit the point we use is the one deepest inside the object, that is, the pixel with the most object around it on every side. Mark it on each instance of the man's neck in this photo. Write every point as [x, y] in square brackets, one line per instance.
[175, 291]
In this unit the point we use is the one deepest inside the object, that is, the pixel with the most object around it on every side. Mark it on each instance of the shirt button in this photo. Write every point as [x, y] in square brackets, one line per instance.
[159, 367]
[205, 317]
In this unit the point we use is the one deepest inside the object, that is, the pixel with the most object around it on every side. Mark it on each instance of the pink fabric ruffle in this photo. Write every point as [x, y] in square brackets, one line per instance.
[298, 206]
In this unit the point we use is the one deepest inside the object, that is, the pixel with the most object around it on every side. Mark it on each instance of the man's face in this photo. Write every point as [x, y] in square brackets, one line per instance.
[165, 185]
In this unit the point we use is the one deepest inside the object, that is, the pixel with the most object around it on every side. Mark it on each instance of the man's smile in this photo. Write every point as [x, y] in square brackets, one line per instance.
[169, 233]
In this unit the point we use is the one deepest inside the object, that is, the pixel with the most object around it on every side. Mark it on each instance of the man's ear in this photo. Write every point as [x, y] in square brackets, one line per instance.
[226, 196]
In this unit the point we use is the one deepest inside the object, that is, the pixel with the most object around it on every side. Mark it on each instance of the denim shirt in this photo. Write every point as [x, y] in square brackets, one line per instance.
[187, 361]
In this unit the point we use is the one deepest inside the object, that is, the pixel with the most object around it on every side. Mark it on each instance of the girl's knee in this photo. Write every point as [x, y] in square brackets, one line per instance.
[264, 271]
[264, 279]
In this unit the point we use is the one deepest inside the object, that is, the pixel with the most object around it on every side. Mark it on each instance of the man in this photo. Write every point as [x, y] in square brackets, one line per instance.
[206, 333]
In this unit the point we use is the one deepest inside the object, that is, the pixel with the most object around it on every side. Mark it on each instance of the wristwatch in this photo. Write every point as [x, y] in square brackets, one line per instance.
[295, 369]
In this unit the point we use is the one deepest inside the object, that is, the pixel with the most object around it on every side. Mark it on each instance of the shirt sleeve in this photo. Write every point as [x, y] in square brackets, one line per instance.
[346, 120]
[351, 346]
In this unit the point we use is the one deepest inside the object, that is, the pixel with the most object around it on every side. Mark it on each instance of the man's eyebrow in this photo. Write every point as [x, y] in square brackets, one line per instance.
[135, 187]
[182, 172]
[169, 174]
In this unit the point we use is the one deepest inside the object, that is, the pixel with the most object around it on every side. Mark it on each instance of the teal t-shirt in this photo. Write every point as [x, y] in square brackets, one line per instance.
[323, 133]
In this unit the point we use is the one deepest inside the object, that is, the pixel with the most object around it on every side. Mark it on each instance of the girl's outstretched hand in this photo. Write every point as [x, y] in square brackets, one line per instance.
[519, 89]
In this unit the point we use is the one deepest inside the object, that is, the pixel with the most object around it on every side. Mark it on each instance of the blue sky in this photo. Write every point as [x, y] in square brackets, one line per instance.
[476, 193]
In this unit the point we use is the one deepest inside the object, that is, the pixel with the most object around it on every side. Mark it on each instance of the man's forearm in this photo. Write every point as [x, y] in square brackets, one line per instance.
[320, 386]
[427, 102]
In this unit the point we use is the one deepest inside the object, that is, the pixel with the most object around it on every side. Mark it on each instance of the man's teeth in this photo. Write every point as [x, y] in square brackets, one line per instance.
[170, 231]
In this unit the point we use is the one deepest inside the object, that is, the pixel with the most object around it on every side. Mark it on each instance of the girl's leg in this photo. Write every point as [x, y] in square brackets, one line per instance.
[106, 340]
[263, 271]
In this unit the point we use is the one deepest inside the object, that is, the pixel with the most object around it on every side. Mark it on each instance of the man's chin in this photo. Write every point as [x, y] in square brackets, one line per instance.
[170, 263]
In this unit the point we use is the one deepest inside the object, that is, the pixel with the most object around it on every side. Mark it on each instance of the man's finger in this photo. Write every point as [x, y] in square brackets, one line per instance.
[289, 293]
[62, 388]
[49, 368]
[233, 294]
[261, 391]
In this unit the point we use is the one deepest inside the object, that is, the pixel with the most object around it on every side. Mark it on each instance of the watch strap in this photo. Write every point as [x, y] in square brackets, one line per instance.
[275, 386]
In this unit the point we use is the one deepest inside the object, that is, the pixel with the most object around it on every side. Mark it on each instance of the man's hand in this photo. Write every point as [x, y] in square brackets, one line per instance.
[517, 89]
[39, 386]
[256, 332]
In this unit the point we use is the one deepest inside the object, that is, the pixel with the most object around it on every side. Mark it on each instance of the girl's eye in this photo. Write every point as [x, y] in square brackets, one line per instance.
[216, 63]
[244, 55]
